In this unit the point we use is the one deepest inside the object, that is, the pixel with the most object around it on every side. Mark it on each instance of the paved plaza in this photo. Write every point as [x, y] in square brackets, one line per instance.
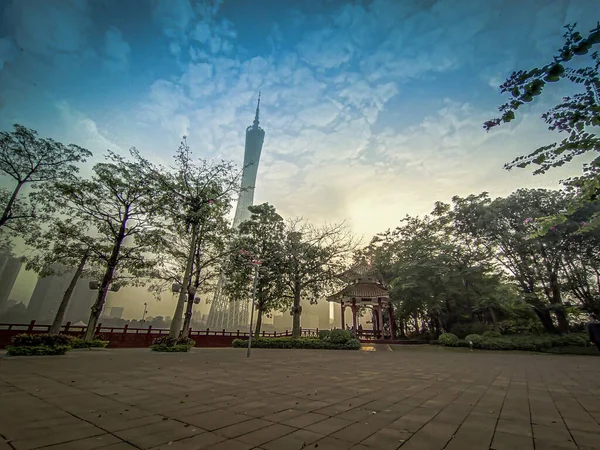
[412, 398]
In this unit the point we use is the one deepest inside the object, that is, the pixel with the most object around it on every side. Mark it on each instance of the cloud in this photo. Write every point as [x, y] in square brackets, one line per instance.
[116, 49]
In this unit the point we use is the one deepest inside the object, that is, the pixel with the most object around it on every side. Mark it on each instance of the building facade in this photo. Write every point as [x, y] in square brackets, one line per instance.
[9, 270]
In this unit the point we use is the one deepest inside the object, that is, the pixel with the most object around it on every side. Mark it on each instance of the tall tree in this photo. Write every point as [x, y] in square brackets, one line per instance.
[28, 160]
[195, 196]
[313, 257]
[116, 205]
[577, 116]
[56, 248]
[261, 239]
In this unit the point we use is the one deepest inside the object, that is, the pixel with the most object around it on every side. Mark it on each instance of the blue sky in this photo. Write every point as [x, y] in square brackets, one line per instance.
[372, 109]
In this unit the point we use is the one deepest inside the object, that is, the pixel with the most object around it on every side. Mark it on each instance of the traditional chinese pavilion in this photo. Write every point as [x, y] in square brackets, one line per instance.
[365, 290]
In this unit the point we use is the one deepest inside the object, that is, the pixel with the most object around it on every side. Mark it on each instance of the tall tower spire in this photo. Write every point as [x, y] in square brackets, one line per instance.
[255, 123]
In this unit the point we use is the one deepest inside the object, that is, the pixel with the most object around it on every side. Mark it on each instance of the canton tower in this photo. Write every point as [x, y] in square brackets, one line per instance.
[225, 314]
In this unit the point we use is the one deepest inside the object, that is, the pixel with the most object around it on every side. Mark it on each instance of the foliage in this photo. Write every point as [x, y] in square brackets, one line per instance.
[529, 343]
[26, 159]
[36, 350]
[491, 334]
[448, 339]
[463, 329]
[195, 198]
[116, 212]
[340, 336]
[170, 344]
[577, 117]
[474, 338]
[34, 340]
[80, 343]
[312, 259]
[324, 334]
[306, 343]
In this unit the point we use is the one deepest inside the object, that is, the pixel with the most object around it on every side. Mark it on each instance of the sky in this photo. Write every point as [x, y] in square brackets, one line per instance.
[373, 109]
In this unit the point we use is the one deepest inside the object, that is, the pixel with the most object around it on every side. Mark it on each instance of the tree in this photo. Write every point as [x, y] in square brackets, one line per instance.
[313, 257]
[195, 196]
[504, 227]
[576, 116]
[115, 205]
[29, 160]
[61, 243]
[259, 242]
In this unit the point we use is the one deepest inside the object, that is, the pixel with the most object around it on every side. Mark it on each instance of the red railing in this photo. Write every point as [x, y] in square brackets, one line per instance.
[140, 337]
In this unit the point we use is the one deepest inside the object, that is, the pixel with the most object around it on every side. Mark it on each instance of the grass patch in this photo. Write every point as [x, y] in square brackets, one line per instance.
[36, 350]
[306, 343]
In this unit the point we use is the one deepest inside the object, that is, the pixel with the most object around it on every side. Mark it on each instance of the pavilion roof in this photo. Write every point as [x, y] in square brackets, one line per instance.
[361, 291]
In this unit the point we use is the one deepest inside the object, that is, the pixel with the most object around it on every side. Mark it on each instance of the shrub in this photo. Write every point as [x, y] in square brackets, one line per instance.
[171, 348]
[80, 343]
[541, 343]
[36, 350]
[324, 335]
[474, 338]
[464, 329]
[169, 344]
[306, 343]
[34, 340]
[339, 336]
[491, 334]
[449, 339]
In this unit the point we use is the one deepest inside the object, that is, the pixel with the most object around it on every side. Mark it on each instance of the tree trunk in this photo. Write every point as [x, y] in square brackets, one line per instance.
[189, 310]
[563, 321]
[176, 321]
[106, 280]
[259, 315]
[546, 319]
[62, 309]
[494, 319]
[296, 331]
[6, 215]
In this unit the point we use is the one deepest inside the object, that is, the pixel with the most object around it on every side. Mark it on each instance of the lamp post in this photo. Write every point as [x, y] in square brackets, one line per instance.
[145, 311]
[256, 264]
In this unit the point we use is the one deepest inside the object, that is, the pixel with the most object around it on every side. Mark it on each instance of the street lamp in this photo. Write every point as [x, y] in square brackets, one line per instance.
[145, 311]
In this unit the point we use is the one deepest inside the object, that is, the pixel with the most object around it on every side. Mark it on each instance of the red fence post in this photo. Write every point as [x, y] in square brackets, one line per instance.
[207, 331]
[98, 328]
[66, 327]
[223, 331]
[30, 327]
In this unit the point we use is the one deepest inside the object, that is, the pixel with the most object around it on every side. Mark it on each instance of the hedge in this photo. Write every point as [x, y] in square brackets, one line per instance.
[534, 343]
[36, 350]
[449, 339]
[307, 343]
[80, 343]
[169, 344]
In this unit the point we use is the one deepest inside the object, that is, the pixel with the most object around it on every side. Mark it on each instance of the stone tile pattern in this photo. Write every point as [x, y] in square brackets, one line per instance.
[411, 398]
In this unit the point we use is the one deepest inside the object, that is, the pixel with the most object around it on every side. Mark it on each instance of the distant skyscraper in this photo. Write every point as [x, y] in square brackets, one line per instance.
[9, 270]
[48, 294]
[225, 314]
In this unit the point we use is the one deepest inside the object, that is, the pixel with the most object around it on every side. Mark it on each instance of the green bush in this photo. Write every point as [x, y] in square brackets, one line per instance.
[532, 343]
[35, 340]
[449, 340]
[80, 343]
[474, 338]
[306, 343]
[324, 335]
[464, 329]
[171, 348]
[169, 344]
[339, 336]
[36, 350]
[491, 334]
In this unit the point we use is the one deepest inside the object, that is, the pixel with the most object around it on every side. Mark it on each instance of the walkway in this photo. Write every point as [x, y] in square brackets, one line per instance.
[216, 399]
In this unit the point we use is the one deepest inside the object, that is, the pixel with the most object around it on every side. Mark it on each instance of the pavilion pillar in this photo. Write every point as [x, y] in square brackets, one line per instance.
[391, 317]
[380, 312]
[354, 329]
[374, 320]
[343, 307]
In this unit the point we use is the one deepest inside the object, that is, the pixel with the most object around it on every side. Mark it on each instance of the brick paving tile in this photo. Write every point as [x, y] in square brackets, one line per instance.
[297, 440]
[508, 441]
[438, 399]
[235, 430]
[328, 426]
[201, 441]
[267, 434]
